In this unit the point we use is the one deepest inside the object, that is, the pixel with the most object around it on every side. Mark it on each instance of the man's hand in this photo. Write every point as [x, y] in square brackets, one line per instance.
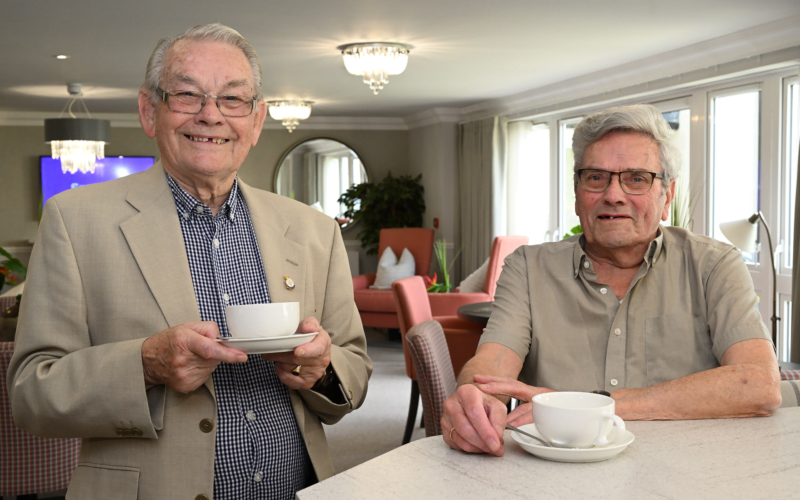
[474, 421]
[503, 386]
[183, 357]
[313, 358]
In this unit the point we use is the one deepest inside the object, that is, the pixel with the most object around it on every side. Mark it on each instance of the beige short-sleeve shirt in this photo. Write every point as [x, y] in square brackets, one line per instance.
[690, 300]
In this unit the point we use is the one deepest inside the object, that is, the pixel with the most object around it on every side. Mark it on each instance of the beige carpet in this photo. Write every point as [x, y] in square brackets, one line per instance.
[377, 427]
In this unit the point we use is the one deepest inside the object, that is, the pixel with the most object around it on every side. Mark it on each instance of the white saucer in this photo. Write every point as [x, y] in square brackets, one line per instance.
[269, 344]
[596, 454]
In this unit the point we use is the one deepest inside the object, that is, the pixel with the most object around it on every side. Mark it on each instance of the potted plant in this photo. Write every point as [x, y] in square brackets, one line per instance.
[393, 202]
[440, 250]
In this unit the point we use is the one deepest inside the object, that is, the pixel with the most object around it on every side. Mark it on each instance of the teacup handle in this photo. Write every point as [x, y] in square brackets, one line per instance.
[609, 432]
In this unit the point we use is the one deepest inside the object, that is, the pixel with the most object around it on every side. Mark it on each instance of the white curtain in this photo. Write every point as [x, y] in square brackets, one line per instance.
[528, 180]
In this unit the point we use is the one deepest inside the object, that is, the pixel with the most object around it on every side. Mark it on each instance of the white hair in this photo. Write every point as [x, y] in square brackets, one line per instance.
[638, 118]
[206, 32]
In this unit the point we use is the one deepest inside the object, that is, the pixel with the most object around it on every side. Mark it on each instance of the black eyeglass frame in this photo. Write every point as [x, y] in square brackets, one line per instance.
[653, 177]
[164, 95]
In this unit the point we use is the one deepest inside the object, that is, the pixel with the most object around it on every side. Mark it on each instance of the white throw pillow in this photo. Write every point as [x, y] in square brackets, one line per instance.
[391, 270]
[475, 281]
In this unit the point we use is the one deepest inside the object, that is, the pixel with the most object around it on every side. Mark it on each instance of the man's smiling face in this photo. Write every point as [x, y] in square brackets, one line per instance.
[206, 144]
[614, 219]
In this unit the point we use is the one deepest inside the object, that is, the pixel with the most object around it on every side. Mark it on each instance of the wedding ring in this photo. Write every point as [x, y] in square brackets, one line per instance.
[296, 370]
[451, 433]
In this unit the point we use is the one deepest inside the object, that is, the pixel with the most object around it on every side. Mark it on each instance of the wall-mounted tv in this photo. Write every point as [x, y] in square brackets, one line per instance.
[112, 167]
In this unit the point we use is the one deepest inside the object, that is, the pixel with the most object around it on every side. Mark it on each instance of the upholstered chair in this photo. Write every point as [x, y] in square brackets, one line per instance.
[377, 307]
[461, 336]
[446, 304]
[30, 464]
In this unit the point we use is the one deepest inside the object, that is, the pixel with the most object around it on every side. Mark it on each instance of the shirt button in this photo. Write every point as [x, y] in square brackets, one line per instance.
[614, 382]
[257, 477]
[231, 216]
[198, 209]
[185, 215]
[617, 331]
[585, 264]
[226, 297]
[603, 291]
[251, 415]
[216, 242]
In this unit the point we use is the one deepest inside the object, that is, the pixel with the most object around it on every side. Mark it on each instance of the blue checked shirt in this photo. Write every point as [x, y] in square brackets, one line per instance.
[260, 452]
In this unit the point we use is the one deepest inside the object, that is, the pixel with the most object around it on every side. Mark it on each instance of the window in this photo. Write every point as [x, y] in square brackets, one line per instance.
[791, 147]
[734, 161]
[528, 200]
[566, 163]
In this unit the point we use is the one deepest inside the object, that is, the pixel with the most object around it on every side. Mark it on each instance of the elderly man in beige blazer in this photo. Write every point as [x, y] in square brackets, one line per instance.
[111, 347]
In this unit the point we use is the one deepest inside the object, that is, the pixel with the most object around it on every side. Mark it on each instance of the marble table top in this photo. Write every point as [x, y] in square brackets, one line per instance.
[698, 459]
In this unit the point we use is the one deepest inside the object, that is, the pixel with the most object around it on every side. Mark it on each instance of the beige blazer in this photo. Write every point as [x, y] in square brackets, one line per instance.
[108, 270]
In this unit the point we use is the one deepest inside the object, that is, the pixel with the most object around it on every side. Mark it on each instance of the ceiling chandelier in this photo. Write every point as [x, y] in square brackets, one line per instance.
[78, 142]
[289, 113]
[375, 61]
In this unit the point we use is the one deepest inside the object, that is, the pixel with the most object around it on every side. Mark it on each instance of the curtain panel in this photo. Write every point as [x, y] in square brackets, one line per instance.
[794, 332]
[481, 185]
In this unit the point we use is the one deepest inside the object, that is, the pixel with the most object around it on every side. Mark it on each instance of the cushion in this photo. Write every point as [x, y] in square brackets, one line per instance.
[475, 281]
[390, 269]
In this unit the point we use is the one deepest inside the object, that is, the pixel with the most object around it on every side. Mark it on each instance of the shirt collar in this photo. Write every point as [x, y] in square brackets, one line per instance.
[580, 259]
[188, 206]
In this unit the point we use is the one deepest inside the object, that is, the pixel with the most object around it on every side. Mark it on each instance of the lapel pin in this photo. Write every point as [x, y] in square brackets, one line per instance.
[289, 282]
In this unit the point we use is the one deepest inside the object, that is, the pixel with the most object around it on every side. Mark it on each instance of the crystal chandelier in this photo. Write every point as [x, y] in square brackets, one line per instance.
[78, 142]
[289, 113]
[375, 61]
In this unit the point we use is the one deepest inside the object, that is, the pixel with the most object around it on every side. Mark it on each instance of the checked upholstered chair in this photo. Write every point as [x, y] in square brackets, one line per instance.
[30, 464]
[435, 376]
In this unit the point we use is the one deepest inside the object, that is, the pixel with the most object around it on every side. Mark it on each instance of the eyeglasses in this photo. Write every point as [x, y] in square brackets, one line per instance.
[632, 181]
[186, 101]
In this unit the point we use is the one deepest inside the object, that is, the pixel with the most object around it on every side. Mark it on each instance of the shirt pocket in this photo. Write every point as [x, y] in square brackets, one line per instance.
[677, 345]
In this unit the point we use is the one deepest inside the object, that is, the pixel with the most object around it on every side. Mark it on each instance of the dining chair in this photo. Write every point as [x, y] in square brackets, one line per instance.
[435, 376]
[28, 464]
[461, 336]
[446, 304]
[377, 307]
[790, 393]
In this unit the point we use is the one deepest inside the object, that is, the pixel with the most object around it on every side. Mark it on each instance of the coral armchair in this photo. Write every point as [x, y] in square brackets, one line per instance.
[446, 304]
[377, 307]
[461, 336]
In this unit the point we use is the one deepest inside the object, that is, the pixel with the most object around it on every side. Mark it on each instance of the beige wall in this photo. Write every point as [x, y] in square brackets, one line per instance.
[432, 153]
[21, 146]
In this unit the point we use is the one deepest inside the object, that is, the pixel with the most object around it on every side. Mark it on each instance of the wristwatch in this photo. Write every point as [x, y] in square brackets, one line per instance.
[602, 393]
[326, 379]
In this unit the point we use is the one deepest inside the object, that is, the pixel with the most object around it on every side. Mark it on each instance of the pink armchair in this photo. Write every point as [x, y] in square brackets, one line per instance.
[377, 307]
[446, 304]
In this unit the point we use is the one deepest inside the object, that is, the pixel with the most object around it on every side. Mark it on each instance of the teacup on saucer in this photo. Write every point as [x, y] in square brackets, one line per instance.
[261, 321]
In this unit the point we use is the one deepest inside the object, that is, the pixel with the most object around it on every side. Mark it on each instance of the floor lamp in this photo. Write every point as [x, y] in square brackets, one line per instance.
[742, 233]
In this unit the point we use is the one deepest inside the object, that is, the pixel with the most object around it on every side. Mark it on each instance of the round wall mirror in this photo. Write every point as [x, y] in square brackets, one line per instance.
[317, 172]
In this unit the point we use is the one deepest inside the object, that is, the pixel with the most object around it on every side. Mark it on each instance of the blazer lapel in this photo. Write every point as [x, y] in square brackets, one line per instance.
[281, 256]
[156, 242]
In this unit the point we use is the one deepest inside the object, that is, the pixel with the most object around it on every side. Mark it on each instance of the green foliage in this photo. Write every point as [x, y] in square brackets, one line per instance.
[440, 250]
[393, 202]
[11, 270]
[572, 232]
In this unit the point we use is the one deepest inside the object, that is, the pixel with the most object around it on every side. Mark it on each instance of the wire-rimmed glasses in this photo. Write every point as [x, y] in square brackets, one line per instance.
[190, 102]
[631, 181]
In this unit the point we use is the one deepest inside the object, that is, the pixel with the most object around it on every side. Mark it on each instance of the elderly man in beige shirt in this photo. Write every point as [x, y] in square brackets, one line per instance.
[662, 319]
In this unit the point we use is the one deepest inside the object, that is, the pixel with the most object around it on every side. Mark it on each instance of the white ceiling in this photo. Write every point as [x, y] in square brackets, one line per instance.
[465, 51]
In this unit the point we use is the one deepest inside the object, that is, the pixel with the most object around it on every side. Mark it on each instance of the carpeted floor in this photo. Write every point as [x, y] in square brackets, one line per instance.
[377, 427]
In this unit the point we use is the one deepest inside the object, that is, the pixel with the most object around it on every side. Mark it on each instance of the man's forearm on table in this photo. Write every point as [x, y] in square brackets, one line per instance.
[742, 390]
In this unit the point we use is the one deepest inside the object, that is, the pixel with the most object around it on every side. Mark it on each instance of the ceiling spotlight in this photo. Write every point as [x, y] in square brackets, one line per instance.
[61, 56]
[289, 113]
[375, 61]
[77, 141]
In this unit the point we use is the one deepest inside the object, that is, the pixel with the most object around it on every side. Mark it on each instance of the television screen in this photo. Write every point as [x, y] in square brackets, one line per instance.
[113, 167]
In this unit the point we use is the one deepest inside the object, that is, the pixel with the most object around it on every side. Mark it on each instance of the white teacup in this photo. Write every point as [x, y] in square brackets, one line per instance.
[576, 419]
[254, 321]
